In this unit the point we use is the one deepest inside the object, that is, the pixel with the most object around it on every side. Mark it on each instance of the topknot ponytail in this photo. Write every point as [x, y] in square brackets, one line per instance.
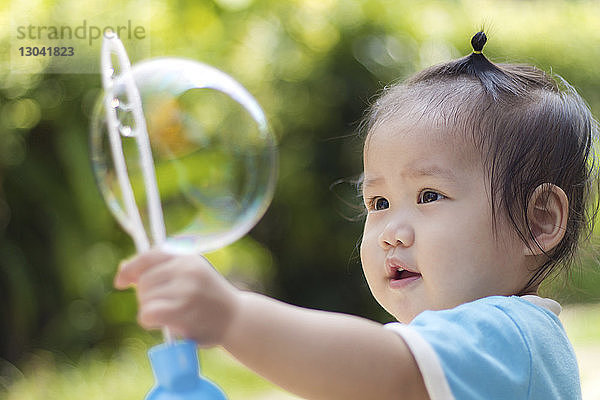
[496, 81]
[478, 41]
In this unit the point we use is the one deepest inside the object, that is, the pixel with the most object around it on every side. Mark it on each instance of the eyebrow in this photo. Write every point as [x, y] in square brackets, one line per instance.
[369, 182]
[431, 170]
[413, 173]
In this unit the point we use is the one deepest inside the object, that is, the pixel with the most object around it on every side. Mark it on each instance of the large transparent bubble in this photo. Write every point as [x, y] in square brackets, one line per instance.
[214, 154]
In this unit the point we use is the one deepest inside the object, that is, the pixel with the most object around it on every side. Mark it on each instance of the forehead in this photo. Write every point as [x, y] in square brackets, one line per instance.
[419, 145]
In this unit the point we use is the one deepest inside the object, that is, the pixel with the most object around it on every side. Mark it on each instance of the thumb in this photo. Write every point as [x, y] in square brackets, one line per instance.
[131, 270]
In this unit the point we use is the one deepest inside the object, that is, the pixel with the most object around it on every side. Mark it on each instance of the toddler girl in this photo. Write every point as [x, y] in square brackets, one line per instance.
[477, 182]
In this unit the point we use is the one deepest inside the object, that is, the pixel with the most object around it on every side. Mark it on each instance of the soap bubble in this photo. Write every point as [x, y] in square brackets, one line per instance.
[214, 154]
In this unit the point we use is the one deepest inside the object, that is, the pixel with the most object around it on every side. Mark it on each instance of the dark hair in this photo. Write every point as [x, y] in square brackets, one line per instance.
[530, 129]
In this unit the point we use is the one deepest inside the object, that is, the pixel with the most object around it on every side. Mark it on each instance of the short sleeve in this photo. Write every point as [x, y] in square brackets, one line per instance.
[483, 350]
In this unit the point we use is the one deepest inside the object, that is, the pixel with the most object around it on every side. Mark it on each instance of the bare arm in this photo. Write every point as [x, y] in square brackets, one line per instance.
[315, 354]
[322, 355]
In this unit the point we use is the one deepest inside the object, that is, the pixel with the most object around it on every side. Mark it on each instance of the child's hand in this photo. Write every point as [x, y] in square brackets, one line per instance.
[184, 293]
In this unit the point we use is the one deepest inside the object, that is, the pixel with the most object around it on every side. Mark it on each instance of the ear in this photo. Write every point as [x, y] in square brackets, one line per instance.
[547, 213]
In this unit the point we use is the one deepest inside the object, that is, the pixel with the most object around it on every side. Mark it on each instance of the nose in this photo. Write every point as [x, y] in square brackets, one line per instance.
[396, 234]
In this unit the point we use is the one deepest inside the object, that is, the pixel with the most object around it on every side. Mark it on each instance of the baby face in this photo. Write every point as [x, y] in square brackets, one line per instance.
[429, 242]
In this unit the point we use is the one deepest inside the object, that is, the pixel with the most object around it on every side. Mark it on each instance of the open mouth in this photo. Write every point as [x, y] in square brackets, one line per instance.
[400, 277]
[400, 274]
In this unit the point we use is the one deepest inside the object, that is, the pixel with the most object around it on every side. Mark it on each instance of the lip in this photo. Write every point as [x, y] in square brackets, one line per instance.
[402, 283]
[392, 265]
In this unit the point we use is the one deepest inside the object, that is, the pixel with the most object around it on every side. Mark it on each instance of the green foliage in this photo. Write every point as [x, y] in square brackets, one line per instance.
[314, 66]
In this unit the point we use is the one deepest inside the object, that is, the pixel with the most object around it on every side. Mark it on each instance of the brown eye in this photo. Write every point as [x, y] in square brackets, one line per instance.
[380, 203]
[428, 196]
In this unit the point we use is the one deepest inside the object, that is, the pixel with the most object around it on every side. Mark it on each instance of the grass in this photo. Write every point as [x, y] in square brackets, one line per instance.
[582, 323]
[125, 373]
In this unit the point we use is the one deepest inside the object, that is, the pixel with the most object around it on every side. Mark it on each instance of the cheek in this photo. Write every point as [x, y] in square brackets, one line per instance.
[456, 243]
[367, 238]
[369, 251]
[366, 252]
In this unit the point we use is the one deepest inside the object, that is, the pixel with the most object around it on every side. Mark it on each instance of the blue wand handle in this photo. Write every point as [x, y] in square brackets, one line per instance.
[176, 369]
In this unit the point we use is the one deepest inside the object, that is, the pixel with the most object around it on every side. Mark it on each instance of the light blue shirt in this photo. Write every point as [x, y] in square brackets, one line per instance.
[493, 348]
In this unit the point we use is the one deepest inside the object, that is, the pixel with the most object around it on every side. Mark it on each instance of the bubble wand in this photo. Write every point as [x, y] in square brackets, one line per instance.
[133, 223]
[119, 116]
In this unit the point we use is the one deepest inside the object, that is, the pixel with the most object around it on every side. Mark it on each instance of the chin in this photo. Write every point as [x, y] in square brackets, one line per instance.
[405, 316]
[398, 308]
[407, 313]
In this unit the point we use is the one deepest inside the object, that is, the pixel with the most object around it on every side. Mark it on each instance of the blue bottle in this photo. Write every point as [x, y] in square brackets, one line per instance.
[177, 374]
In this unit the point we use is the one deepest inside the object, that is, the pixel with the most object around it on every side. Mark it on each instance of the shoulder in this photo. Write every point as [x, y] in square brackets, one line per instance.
[512, 306]
[507, 346]
[494, 321]
[498, 317]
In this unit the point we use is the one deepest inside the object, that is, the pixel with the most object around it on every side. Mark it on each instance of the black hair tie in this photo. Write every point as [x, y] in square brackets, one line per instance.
[478, 41]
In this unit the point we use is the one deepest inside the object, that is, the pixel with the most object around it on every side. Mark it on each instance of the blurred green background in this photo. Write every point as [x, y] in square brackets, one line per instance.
[314, 66]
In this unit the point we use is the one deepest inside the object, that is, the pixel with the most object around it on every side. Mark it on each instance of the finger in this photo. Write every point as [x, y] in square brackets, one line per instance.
[171, 289]
[158, 313]
[181, 270]
[130, 270]
[158, 276]
[151, 316]
[167, 313]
